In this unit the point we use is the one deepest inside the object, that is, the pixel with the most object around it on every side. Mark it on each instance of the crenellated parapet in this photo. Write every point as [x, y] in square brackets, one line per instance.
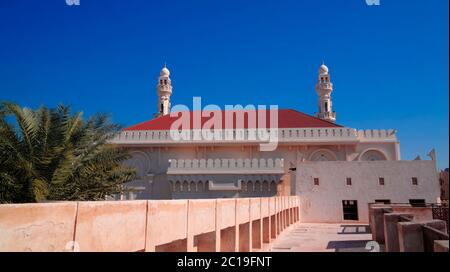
[285, 135]
[226, 166]
[377, 135]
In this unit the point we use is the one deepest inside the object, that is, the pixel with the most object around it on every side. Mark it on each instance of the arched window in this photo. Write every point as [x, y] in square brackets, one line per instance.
[372, 155]
[141, 162]
[323, 155]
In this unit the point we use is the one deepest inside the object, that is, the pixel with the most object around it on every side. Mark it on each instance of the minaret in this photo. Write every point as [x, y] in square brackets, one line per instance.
[164, 90]
[324, 87]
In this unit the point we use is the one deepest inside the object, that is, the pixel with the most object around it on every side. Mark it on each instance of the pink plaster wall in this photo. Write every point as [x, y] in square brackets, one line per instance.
[255, 208]
[154, 225]
[37, 227]
[111, 225]
[243, 212]
[202, 217]
[228, 212]
[166, 222]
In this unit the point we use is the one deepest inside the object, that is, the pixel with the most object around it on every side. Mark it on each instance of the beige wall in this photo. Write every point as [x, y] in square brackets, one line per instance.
[155, 225]
[323, 203]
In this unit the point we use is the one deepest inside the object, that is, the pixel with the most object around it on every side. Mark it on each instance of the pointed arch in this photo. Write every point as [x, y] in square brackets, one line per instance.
[193, 186]
[273, 186]
[373, 154]
[178, 187]
[200, 186]
[185, 186]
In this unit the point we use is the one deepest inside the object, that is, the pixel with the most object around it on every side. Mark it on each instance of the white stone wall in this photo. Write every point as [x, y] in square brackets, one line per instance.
[323, 203]
[152, 162]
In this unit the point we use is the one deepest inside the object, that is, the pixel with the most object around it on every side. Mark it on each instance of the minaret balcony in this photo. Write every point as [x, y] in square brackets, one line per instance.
[327, 115]
[324, 85]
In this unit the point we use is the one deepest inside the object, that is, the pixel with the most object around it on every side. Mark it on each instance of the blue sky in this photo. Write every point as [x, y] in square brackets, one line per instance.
[388, 63]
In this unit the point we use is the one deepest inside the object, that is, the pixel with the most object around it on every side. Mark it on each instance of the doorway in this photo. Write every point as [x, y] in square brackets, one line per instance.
[350, 209]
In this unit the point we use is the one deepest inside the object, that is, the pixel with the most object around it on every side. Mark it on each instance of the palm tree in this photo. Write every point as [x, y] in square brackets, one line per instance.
[49, 154]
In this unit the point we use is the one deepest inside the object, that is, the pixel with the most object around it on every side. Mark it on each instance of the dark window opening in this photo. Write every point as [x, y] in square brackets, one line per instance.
[417, 202]
[316, 181]
[414, 181]
[349, 181]
[162, 107]
[381, 181]
[383, 201]
[350, 209]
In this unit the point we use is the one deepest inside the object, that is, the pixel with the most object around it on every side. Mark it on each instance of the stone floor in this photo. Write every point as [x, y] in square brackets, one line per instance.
[305, 237]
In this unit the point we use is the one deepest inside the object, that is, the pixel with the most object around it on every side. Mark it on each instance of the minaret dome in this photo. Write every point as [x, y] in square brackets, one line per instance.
[323, 70]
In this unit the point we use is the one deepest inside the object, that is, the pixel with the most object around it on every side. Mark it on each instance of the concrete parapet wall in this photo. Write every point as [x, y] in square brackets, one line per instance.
[166, 223]
[407, 229]
[391, 221]
[111, 225]
[441, 246]
[37, 227]
[241, 224]
[419, 213]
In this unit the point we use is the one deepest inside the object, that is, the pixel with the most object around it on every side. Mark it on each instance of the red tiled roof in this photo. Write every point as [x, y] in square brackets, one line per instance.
[287, 118]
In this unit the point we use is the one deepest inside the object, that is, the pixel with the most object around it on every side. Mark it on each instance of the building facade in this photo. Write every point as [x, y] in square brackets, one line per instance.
[228, 161]
[443, 181]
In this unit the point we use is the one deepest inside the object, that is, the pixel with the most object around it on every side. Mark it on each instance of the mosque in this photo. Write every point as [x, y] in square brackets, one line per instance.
[336, 170]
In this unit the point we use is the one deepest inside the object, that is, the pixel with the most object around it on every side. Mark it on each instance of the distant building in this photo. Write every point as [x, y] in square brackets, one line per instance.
[443, 181]
[336, 170]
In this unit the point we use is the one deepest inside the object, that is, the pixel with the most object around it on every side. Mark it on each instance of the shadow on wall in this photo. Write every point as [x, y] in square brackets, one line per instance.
[348, 246]
[355, 229]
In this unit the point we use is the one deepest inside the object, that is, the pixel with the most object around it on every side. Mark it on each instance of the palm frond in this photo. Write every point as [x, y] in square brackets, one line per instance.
[54, 155]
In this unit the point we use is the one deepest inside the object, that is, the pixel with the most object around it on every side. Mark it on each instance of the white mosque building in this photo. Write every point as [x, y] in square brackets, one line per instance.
[336, 170]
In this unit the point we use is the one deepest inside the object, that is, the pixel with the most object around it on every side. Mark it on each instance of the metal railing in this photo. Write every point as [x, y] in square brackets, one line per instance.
[440, 211]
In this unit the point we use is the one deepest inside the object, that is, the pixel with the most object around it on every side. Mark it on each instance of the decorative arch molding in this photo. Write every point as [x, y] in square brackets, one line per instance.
[323, 154]
[373, 154]
[200, 183]
[200, 186]
[185, 186]
[141, 161]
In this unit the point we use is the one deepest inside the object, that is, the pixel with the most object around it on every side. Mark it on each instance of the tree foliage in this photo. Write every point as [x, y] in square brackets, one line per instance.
[51, 154]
